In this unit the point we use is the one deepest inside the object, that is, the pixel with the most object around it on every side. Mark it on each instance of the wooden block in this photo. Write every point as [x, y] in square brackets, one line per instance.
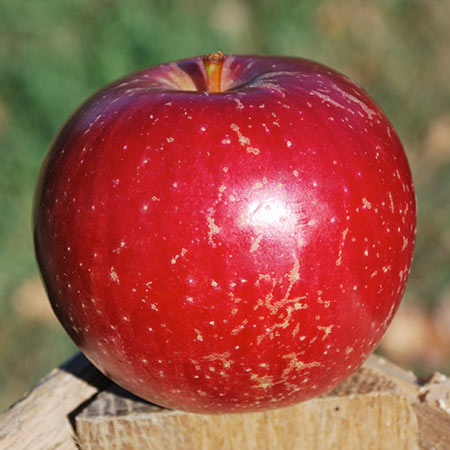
[43, 418]
[361, 422]
[380, 407]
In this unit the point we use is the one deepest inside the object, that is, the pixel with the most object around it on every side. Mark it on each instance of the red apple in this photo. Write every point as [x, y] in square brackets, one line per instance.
[227, 235]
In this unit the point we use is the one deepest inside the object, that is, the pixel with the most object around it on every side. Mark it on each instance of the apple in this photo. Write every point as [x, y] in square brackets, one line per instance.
[226, 234]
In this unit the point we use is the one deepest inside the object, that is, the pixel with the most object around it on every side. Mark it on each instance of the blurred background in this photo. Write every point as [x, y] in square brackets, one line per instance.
[53, 54]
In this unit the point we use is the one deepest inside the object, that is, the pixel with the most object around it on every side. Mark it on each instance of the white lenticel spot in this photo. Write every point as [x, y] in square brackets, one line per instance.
[199, 335]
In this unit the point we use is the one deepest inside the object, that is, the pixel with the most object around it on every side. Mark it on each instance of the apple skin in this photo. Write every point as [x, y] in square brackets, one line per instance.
[226, 252]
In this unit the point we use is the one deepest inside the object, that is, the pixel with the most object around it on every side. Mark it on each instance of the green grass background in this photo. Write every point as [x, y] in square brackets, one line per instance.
[53, 54]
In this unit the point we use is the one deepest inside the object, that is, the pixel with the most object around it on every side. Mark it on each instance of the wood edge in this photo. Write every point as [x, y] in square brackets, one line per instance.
[430, 399]
[45, 410]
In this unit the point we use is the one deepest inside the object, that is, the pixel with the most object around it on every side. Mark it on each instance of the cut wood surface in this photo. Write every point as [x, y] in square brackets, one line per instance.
[43, 419]
[379, 407]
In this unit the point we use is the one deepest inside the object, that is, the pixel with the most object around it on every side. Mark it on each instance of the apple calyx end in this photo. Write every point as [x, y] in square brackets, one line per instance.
[213, 63]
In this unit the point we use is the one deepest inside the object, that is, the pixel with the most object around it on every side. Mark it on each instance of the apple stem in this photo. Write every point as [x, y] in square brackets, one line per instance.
[213, 63]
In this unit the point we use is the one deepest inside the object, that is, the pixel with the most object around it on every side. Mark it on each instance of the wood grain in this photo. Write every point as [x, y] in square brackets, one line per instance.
[43, 419]
[361, 422]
